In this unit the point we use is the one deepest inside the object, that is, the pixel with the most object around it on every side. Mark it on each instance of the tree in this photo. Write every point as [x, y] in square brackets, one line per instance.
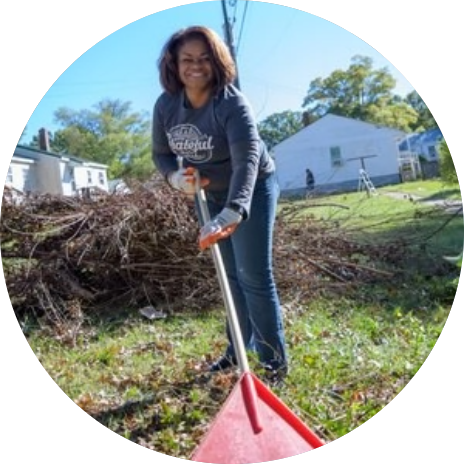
[391, 113]
[360, 92]
[279, 126]
[447, 170]
[425, 120]
[56, 143]
[109, 133]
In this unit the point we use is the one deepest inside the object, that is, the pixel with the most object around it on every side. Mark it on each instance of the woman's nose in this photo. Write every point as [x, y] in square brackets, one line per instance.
[199, 61]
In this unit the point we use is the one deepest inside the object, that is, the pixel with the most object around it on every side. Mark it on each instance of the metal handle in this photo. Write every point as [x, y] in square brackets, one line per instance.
[231, 312]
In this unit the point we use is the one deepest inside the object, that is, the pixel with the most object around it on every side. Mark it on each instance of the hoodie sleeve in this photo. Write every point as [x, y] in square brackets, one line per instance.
[245, 151]
[163, 158]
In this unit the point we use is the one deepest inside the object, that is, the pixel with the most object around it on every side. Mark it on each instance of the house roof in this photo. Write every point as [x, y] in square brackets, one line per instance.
[413, 142]
[339, 125]
[25, 157]
[26, 152]
[359, 122]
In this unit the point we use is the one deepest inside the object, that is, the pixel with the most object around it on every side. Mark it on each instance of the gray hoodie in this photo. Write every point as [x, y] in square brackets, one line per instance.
[220, 139]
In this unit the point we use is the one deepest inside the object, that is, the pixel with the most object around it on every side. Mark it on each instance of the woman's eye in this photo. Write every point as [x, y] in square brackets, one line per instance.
[188, 61]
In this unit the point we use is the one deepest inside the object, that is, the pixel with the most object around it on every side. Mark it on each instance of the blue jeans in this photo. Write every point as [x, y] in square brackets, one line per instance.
[247, 256]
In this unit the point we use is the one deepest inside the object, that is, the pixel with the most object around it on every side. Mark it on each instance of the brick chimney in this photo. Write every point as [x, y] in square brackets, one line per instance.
[44, 141]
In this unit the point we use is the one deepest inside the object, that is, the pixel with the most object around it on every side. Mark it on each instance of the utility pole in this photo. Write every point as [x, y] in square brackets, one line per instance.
[230, 40]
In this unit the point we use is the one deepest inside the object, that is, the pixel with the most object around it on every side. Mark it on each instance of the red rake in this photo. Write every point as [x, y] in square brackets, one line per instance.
[254, 425]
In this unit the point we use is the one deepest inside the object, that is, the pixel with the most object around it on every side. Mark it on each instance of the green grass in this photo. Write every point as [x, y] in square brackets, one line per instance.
[147, 381]
[354, 359]
[433, 189]
[142, 380]
[380, 218]
[349, 356]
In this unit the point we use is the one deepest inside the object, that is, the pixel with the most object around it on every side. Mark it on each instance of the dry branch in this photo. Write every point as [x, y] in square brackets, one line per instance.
[141, 248]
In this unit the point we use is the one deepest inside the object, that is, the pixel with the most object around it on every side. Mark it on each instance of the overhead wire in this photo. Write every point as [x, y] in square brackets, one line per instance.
[241, 26]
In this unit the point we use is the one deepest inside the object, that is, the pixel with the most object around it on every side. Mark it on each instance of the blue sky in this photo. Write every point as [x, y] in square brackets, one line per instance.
[280, 50]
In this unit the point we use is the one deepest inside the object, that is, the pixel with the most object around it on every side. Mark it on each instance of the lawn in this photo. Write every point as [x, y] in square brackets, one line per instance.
[380, 218]
[350, 355]
[146, 380]
[433, 189]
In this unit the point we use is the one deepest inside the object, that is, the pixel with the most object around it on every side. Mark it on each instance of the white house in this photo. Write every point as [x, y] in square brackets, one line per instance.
[40, 170]
[335, 149]
[19, 173]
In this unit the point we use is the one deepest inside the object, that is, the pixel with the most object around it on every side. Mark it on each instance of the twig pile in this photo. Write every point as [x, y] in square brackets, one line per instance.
[63, 256]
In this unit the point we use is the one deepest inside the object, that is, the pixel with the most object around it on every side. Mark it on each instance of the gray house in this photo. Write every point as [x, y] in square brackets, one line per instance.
[418, 154]
[425, 144]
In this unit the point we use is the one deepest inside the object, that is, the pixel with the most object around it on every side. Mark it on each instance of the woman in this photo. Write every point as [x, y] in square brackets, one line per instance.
[204, 120]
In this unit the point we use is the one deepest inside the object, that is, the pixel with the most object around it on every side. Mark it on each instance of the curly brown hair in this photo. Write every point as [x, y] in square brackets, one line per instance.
[223, 65]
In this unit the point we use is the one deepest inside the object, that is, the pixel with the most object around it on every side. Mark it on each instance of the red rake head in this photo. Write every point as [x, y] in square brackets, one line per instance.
[242, 435]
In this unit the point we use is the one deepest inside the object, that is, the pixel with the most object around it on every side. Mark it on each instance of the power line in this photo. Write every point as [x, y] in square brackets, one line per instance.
[59, 84]
[241, 26]
[283, 31]
[234, 4]
[229, 38]
[90, 91]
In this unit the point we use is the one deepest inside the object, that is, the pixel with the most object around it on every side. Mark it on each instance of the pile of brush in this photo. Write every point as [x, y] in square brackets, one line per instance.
[66, 256]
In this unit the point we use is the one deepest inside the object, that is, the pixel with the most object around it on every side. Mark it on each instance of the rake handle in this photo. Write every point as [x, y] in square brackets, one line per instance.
[237, 339]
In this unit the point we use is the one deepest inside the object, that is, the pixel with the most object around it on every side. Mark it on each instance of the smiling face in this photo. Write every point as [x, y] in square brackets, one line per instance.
[195, 67]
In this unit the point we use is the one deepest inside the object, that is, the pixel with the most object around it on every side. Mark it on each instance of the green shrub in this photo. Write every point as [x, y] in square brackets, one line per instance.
[447, 170]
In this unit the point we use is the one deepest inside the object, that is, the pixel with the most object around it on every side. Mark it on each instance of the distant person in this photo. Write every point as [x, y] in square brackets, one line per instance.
[309, 181]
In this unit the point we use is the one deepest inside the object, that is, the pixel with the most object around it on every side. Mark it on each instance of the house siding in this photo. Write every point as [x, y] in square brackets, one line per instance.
[338, 187]
[22, 176]
[55, 173]
[311, 148]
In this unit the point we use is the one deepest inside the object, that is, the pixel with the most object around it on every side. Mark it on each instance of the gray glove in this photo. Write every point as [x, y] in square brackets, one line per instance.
[220, 227]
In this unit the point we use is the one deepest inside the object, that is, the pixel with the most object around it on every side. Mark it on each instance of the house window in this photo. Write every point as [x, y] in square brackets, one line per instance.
[9, 176]
[336, 157]
[89, 177]
[26, 180]
[101, 178]
[68, 174]
[432, 152]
